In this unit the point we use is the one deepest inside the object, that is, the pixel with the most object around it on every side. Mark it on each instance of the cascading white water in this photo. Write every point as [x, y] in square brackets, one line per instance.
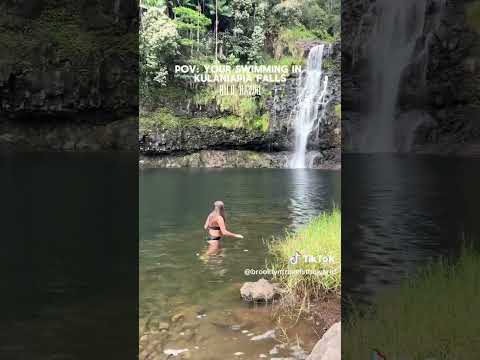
[399, 29]
[398, 26]
[311, 97]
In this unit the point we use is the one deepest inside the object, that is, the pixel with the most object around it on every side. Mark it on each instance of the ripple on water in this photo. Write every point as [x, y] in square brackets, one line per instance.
[260, 204]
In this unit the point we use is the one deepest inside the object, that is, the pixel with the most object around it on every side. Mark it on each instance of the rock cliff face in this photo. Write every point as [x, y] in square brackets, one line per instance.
[71, 64]
[238, 159]
[200, 146]
[187, 140]
[441, 95]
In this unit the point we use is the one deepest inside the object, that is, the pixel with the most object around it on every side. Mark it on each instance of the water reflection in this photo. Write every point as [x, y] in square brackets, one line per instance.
[399, 213]
[215, 263]
[310, 195]
[260, 203]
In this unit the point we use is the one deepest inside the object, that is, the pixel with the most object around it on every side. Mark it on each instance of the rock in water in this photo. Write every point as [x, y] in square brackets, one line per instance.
[177, 317]
[163, 325]
[328, 347]
[267, 335]
[274, 350]
[260, 290]
[174, 352]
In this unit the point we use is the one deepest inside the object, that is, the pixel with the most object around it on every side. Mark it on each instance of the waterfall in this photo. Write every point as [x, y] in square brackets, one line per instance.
[399, 34]
[311, 98]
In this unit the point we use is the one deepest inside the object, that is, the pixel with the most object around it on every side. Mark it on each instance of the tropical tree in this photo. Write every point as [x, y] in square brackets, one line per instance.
[248, 33]
[188, 23]
[155, 3]
[217, 10]
[158, 45]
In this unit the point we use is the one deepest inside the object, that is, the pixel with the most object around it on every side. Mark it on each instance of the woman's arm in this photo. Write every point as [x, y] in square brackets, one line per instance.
[206, 223]
[224, 231]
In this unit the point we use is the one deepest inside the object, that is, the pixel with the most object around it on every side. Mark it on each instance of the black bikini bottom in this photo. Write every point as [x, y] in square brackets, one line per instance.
[214, 238]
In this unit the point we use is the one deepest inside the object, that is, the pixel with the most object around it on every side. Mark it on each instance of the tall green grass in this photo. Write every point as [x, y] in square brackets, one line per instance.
[431, 316]
[338, 111]
[473, 15]
[320, 238]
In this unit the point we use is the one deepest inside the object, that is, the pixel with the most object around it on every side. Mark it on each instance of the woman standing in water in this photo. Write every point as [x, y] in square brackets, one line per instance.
[215, 224]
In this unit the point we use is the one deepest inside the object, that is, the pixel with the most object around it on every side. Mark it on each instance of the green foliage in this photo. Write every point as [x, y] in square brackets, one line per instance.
[65, 33]
[246, 41]
[191, 24]
[247, 109]
[156, 3]
[322, 17]
[249, 32]
[288, 39]
[261, 123]
[428, 317]
[159, 119]
[158, 45]
[294, 21]
[285, 60]
[168, 96]
[338, 111]
[331, 65]
[473, 15]
[166, 119]
[297, 33]
[223, 7]
[286, 14]
[62, 28]
[247, 27]
[256, 44]
[190, 20]
[232, 60]
[321, 237]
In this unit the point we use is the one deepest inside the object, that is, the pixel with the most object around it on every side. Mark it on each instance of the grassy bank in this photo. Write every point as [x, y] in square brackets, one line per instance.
[321, 238]
[473, 15]
[165, 119]
[429, 316]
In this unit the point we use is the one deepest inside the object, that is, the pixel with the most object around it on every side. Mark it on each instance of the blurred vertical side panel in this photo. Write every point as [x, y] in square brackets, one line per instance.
[410, 175]
[69, 179]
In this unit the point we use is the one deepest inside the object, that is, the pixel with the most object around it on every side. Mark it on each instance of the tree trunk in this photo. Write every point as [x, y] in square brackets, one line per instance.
[216, 30]
[191, 46]
[198, 25]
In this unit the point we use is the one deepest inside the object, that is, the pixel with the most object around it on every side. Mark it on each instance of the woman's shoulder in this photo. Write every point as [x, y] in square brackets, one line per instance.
[215, 217]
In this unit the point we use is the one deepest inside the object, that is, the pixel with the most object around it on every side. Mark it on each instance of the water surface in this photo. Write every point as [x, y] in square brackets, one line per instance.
[260, 203]
[68, 255]
[401, 212]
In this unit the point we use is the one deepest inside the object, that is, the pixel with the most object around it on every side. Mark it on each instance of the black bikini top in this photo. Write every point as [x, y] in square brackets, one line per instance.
[214, 227]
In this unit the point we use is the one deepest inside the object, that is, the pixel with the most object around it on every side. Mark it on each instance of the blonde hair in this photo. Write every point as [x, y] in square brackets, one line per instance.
[219, 209]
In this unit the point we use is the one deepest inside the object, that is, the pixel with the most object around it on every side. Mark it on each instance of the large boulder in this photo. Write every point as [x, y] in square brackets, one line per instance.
[329, 346]
[261, 290]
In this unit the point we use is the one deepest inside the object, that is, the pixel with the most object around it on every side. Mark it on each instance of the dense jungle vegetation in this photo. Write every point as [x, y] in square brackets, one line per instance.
[231, 32]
